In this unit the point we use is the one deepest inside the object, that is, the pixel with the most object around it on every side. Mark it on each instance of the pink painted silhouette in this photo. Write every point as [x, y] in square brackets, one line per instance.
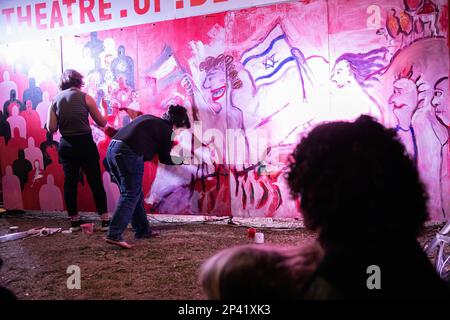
[42, 108]
[7, 155]
[36, 179]
[55, 168]
[17, 142]
[50, 198]
[32, 153]
[13, 198]
[33, 123]
[17, 121]
[5, 88]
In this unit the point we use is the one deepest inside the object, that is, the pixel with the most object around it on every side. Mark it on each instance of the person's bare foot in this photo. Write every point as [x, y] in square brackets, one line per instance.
[122, 244]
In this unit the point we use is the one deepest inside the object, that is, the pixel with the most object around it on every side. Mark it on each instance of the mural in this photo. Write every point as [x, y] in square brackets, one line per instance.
[254, 82]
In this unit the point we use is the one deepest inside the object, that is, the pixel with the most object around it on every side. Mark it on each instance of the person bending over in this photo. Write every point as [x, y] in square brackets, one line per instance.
[141, 140]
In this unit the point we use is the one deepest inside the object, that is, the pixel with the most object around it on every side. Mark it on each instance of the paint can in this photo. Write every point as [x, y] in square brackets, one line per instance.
[259, 237]
[251, 233]
[87, 228]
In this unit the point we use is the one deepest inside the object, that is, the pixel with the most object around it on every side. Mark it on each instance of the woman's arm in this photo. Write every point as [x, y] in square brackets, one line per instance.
[94, 112]
[52, 120]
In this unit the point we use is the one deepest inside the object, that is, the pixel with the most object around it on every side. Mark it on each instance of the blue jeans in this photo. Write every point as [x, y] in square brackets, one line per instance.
[127, 170]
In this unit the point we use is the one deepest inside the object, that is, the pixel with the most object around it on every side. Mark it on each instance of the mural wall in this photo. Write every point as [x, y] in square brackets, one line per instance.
[254, 81]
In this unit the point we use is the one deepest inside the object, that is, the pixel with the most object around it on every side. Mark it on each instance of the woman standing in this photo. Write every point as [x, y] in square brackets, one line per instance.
[69, 113]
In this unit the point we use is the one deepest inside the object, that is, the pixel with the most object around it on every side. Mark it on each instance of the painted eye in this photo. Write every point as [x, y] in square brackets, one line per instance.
[438, 93]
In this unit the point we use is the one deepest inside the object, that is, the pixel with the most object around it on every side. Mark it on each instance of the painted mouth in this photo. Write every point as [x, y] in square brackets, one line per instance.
[218, 93]
[399, 106]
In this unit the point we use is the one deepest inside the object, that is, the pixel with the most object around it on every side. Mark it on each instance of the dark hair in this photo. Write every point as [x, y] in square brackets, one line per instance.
[178, 116]
[356, 179]
[70, 78]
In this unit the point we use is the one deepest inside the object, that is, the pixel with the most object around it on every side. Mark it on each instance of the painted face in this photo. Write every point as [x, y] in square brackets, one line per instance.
[342, 74]
[216, 84]
[440, 102]
[404, 99]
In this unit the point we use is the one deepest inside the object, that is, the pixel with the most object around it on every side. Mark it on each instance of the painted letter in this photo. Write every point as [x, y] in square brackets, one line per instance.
[86, 11]
[195, 3]
[68, 4]
[56, 15]
[138, 9]
[103, 7]
[40, 16]
[21, 18]
[8, 12]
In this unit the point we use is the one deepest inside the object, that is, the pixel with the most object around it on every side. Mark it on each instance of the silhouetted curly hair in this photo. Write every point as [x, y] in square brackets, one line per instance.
[178, 116]
[356, 179]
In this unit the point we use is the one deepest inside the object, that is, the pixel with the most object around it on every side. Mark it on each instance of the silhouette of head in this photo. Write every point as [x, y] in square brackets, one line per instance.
[121, 51]
[357, 176]
[21, 154]
[12, 95]
[32, 82]
[50, 179]
[8, 171]
[177, 115]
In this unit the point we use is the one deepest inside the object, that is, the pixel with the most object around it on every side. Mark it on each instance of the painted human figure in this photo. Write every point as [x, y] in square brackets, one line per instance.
[33, 123]
[121, 95]
[36, 178]
[5, 128]
[123, 65]
[12, 197]
[440, 104]
[54, 167]
[42, 108]
[5, 87]
[17, 121]
[45, 146]
[50, 198]
[95, 46]
[33, 153]
[13, 101]
[21, 168]
[353, 75]
[405, 102]
[214, 102]
[33, 93]
[17, 142]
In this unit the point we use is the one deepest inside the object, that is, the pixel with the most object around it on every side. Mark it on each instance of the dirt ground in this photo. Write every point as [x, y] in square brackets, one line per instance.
[164, 267]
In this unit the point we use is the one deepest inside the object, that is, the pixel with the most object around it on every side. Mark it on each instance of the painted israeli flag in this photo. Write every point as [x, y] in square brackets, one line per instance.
[270, 59]
[165, 70]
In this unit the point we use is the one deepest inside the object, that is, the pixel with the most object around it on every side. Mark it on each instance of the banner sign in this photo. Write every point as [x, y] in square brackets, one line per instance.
[34, 19]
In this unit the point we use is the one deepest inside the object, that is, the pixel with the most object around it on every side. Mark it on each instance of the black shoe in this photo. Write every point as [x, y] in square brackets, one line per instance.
[75, 225]
[105, 225]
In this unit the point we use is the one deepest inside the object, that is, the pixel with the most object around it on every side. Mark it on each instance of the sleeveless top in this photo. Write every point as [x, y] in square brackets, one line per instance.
[72, 112]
